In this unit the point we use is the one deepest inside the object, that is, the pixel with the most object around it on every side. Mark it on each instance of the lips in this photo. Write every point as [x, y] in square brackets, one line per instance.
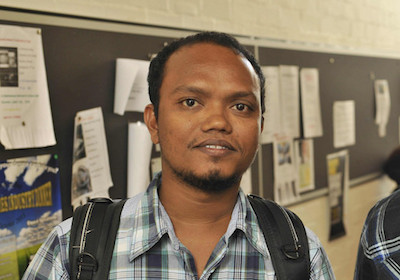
[215, 144]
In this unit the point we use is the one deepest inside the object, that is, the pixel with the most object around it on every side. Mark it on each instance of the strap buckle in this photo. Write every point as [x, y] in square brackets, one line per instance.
[292, 252]
[86, 263]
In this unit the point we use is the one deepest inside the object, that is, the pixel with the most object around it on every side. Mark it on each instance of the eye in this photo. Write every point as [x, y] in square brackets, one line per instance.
[241, 107]
[189, 102]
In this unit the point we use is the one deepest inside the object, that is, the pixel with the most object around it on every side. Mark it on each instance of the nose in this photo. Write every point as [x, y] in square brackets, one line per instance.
[217, 119]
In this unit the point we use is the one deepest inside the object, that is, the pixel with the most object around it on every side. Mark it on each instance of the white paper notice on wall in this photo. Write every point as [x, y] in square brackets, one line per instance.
[139, 156]
[344, 130]
[310, 103]
[382, 103]
[285, 176]
[304, 155]
[91, 176]
[272, 117]
[25, 114]
[289, 99]
[131, 91]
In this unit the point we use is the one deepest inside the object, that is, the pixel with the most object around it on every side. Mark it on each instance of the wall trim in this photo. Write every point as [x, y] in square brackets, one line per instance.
[57, 19]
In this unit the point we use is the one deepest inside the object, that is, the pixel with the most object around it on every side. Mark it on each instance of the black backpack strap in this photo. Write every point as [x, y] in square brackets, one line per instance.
[92, 239]
[285, 237]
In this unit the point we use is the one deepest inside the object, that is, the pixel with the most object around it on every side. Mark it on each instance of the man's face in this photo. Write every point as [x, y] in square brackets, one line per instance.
[209, 117]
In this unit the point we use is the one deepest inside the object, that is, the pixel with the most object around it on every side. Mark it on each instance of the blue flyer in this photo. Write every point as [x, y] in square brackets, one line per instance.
[30, 207]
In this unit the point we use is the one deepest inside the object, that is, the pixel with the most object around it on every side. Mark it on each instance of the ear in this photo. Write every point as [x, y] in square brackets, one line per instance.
[151, 122]
[262, 124]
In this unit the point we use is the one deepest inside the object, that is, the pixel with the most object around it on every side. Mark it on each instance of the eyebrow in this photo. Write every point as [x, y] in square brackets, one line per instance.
[189, 89]
[196, 90]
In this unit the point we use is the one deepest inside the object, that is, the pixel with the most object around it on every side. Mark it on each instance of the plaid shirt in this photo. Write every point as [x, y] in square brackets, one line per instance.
[379, 248]
[146, 247]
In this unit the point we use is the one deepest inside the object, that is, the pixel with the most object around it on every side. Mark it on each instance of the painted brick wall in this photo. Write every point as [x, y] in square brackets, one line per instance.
[359, 24]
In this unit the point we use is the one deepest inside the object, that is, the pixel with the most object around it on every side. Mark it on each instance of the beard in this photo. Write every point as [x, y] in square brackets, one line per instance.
[213, 182]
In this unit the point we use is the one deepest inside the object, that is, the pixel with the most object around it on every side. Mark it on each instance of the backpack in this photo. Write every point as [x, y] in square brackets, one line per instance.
[96, 223]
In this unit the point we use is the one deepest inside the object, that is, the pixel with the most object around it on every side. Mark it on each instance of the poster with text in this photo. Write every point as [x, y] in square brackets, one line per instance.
[272, 114]
[382, 105]
[310, 103]
[91, 176]
[285, 175]
[25, 114]
[30, 207]
[304, 151]
[338, 182]
[344, 123]
[289, 100]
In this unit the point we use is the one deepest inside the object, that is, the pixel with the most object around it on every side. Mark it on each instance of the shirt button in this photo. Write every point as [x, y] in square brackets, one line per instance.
[176, 247]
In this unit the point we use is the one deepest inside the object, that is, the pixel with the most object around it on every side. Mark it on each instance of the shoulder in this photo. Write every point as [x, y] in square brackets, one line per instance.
[381, 228]
[383, 216]
[131, 205]
[319, 262]
[313, 240]
[380, 239]
[51, 259]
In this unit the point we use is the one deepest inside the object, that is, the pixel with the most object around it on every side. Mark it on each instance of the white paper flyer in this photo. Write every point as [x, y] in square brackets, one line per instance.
[289, 99]
[285, 176]
[139, 156]
[272, 115]
[25, 114]
[382, 103]
[310, 103]
[304, 154]
[344, 123]
[131, 93]
[91, 175]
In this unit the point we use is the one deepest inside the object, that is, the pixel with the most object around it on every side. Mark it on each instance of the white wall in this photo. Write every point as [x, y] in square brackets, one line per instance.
[370, 25]
[360, 24]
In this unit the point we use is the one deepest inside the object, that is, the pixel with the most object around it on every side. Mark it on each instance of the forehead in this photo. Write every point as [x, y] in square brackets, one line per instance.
[203, 52]
[194, 58]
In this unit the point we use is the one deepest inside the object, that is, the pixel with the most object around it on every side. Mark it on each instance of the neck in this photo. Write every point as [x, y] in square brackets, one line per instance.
[188, 204]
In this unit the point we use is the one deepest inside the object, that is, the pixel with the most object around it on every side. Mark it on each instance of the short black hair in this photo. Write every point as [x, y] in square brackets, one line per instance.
[157, 65]
[392, 165]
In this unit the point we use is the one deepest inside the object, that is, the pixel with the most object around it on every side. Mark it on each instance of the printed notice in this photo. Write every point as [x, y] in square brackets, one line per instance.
[285, 175]
[25, 114]
[91, 175]
[272, 117]
[338, 181]
[289, 100]
[131, 92]
[304, 151]
[382, 103]
[344, 123]
[139, 158]
[310, 103]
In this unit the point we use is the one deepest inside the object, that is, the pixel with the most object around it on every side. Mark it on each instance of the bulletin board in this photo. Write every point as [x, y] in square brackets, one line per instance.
[80, 66]
[343, 77]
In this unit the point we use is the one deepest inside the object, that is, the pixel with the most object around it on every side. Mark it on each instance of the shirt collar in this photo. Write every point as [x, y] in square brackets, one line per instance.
[151, 222]
[244, 219]
[148, 225]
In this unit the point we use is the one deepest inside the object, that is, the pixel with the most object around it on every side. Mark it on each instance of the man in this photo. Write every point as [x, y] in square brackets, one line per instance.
[193, 222]
[379, 253]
